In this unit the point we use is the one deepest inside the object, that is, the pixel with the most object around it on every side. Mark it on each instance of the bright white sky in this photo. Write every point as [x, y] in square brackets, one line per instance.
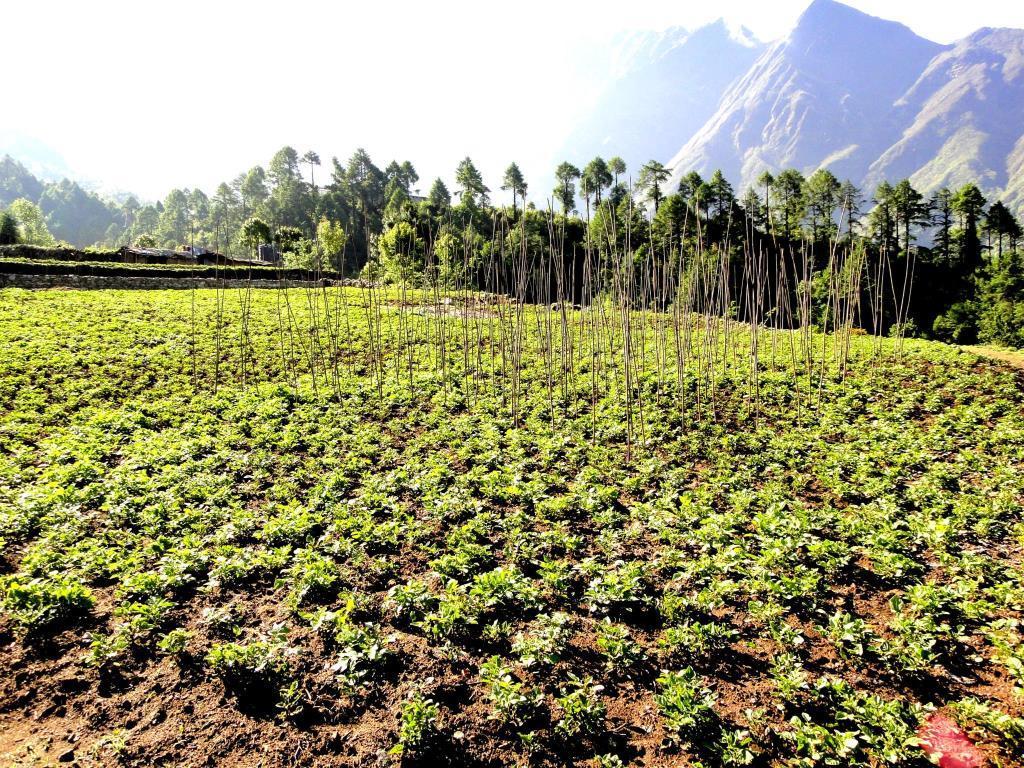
[148, 95]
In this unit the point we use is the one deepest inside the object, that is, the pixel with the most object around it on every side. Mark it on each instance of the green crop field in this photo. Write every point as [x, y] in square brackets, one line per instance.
[357, 527]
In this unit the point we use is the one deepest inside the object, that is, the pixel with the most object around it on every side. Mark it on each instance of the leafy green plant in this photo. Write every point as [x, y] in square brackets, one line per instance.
[620, 651]
[816, 744]
[621, 587]
[361, 649]
[851, 636]
[686, 705]
[926, 625]
[512, 702]
[789, 676]
[290, 704]
[411, 601]
[734, 747]
[544, 641]
[362, 652]
[456, 612]
[40, 604]
[175, 642]
[582, 711]
[698, 639]
[416, 724]
[106, 651]
[312, 576]
[115, 743]
[1009, 728]
[556, 575]
[252, 666]
[223, 621]
[503, 588]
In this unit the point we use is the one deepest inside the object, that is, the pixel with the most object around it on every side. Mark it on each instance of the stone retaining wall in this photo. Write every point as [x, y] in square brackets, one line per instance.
[92, 282]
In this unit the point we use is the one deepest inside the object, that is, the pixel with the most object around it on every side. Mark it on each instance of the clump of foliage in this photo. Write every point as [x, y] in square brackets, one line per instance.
[686, 704]
[417, 720]
[41, 604]
[253, 667]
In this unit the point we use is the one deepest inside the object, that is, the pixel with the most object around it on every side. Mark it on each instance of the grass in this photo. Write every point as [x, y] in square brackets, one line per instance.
[409, 560]
[1011, 356]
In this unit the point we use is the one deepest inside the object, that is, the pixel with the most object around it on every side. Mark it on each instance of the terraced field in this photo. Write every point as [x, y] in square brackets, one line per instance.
[428, 549]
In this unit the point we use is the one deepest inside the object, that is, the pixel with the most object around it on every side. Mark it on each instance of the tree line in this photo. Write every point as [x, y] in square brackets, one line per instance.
[954, 258]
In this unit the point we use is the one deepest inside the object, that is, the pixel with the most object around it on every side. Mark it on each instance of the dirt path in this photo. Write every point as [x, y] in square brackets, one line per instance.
[1013, 357]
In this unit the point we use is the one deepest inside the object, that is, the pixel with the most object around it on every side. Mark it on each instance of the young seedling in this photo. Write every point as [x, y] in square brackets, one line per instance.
[686, 704]
[581, 707]
[416, 724]
[512, 702]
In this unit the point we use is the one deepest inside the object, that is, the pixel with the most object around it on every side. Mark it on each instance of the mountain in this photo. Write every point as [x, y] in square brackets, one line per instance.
[16, 181]
[39, 159]
[823, 96]
[964, 119]
[667, 86]
[72, 213]
[870, 100]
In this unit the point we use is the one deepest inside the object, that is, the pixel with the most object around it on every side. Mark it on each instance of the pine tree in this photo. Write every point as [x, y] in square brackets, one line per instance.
[565, 190]
[790, 204]
[969, 204]
[850, 200]
[439, 197]
[822, 194]
[1001, 225]
[883, 219]
[909, 210]
[596, 178]
[765, 181]
[652, 176]
[8, 229]
[471, 182]
[514, 181]
[941, 205]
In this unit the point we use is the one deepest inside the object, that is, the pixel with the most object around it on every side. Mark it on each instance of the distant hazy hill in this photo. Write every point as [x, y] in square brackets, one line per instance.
[16, 181]
[668, 85]
[871, 100]
[72, 213]
[38, 158]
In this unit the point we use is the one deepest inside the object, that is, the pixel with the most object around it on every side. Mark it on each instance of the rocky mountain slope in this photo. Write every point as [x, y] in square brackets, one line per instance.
[668, 85]
[822, 96]
[964, 119]
[866, 97]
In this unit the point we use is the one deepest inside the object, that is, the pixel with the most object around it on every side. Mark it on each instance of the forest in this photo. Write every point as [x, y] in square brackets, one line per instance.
[954, 256]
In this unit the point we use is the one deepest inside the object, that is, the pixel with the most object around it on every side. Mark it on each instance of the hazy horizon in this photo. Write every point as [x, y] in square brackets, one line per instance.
[155, 98]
